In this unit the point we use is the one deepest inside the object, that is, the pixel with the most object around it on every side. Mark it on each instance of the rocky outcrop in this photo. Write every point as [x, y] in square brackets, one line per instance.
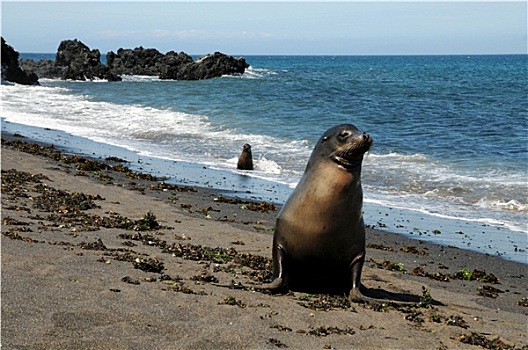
[11, 70]
[43, 68]
[76, 61]
[178, 66]
[81, 63]
[206, 67]
[138, 61]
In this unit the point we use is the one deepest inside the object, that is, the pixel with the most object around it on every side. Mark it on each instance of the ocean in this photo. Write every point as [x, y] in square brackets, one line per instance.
[450, 157]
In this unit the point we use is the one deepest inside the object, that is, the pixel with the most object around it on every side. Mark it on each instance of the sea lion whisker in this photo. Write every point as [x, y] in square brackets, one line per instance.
[348, 154]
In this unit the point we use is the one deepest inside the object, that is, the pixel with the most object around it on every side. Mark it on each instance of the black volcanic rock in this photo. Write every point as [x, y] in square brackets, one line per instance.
[207, 67]
[173, 64]
[81, 63]
[43, 68]
[138, 61]
[75, 61]
[11, 70]
[178, 66]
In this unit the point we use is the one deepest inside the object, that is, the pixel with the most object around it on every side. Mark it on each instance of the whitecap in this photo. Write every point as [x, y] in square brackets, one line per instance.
[139, 78]
[510, 205]
[267, 166]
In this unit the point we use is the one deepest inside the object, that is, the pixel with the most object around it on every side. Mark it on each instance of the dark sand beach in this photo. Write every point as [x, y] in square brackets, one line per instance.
[98, 257]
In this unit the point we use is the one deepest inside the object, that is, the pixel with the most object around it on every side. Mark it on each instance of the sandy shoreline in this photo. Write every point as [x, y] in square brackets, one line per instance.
[134, 264]
[463, 234]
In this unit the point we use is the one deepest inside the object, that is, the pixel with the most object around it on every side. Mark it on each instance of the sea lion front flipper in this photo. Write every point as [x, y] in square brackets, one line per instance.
[275, 287]
[356, 266]
[380, 298]
[356, 293]
[363, 295]
[280, 282]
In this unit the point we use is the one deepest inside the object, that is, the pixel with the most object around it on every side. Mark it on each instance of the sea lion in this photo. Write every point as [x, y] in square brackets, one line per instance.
[319, 240]
[245, 161]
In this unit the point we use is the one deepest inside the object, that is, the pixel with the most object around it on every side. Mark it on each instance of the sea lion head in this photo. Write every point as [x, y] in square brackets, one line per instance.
[344, 145]
[246, 147]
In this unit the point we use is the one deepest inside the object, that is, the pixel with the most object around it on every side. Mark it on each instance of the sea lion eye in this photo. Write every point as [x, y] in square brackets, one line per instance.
[344, 134]
[325, 139]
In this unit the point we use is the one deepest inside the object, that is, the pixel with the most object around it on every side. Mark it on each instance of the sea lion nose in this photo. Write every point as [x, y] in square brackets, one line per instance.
[366, 139]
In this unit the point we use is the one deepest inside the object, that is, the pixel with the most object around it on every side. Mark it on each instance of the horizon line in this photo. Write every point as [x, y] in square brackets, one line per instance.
[323, 54]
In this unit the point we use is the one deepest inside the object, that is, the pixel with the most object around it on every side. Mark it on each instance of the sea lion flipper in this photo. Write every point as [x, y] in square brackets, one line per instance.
[277, 286]
[356, 292]
[356, 296]
[356, 266]
[280, 282]
[381, 298]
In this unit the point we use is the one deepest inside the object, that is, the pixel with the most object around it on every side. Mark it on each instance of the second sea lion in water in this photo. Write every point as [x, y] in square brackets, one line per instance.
[245, 161]
[319, 241]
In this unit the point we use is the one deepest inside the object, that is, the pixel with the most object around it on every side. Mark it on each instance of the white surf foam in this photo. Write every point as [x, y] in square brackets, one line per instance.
[392, 179]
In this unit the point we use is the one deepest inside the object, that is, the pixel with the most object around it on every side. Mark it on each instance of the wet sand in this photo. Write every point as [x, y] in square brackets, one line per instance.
[96, 257]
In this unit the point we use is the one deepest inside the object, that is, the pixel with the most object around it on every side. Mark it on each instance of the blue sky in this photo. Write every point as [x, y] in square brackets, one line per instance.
[275, 28]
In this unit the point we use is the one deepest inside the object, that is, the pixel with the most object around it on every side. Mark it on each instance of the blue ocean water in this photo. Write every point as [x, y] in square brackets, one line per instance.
[450, 132]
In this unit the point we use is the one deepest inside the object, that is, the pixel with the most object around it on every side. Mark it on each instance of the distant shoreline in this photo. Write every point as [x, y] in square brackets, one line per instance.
[195, 55]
